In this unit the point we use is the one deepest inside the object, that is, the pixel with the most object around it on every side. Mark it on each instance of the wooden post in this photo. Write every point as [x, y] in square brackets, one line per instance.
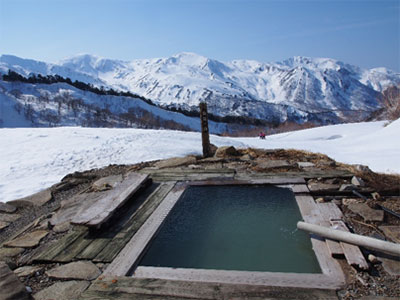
[205, 135]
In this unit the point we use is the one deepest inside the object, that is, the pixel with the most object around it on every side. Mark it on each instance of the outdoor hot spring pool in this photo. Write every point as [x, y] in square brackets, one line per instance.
[243, 227]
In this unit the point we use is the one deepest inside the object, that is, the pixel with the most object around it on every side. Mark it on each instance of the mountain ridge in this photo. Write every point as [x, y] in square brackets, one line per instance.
[296, 89]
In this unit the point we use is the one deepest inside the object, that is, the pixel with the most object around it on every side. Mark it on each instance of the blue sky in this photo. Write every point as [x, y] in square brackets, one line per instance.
[361, 32]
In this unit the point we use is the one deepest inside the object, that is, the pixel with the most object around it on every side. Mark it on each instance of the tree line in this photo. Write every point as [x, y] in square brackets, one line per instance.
[50, 79]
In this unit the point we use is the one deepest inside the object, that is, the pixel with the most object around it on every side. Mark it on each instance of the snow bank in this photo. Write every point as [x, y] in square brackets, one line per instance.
[32, 159]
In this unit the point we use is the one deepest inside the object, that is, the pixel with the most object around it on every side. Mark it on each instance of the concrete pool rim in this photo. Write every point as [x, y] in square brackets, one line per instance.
[332, 276]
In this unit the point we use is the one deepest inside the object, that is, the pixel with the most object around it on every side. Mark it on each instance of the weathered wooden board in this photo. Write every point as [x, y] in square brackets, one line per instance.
[94, 248]
[144, 288]
[330, 210]
[113, 247]
[302, 280]
[292, 181]
[58, 246]
[352, 253]
[10, 286]
[304, 174]
[312, 214]
[131, 252]
[103, 209]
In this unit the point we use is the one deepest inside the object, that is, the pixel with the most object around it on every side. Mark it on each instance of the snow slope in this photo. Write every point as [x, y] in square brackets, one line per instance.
[299, 89]
[32, 159]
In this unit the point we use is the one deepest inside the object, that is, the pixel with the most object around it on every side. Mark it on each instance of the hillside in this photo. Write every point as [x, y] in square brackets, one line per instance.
[300, 89]
[36, 158]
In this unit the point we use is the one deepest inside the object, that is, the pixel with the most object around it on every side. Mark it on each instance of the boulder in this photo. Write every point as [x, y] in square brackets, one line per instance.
[107, 183]
[7, 208]
[226, 151]
[8, 218]
[305, 164]
[28, 240]
[65, 290]
[357, 181]
[27, 271]
[347, 187]
[82, 270]
[10, 252]
[271, 164]
[10, 286]
[366, 212]
[37, 199]
[3, 224]
[176, 162]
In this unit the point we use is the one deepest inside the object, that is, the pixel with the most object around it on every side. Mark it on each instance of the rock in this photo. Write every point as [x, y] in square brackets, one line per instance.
[28, 240]
[8, 218]
[320, 200]
[28, 289]
[195, 167]
[347, 187]
[83, 270]
[10, 252]
[362, 168]
[357, 181]
[7, 208]
[372, 258]
[213, 149]
[271, 164]
[63, 227]
[246, 157]
[176, 162]
[375, 196]
[10, 286]
[37, 199]
[317, 186]
[226, 151]
[3, 224]
[107, 183]
[27, 271]
[392, 232]
[366, 212]
[66, 290]
[305, 164]
[348, 201]
[390, 264]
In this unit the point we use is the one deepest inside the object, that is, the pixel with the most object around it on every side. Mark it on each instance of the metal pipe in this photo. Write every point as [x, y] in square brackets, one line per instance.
[351, 238]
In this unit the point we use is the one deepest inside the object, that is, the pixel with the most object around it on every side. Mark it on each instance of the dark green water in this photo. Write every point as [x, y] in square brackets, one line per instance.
[248, 228]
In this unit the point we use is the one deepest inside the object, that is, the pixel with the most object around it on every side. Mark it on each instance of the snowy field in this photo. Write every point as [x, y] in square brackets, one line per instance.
[33, 159]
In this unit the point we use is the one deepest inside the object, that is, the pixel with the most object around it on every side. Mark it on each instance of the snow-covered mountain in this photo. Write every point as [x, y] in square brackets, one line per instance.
[299, 89]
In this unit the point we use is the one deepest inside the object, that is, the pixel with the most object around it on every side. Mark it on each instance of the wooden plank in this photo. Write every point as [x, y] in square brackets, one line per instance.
[10, 286]
[302, 280]
[151, 288]
[331, 210]
[68, 254]
[133, 249]
[352, 253]
[308, 208]
[312, 214]
[94, 248]
[57, 246]
[108, 253]
[103, 209]
[249, 180]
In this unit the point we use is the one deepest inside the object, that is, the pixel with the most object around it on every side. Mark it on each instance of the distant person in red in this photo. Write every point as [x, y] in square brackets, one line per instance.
[262, 135]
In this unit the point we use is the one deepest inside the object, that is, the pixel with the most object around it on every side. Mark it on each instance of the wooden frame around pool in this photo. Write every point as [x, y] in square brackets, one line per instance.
[332, 276]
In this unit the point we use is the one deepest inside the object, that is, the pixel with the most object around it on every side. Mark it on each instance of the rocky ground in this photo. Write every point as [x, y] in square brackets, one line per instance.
[363, 213]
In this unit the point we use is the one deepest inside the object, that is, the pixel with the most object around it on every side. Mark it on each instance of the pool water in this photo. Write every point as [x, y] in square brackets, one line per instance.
[247, 228]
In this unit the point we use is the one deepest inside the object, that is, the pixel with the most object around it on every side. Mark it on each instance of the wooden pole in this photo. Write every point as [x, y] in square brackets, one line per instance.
[351, 238]
[205, 134]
